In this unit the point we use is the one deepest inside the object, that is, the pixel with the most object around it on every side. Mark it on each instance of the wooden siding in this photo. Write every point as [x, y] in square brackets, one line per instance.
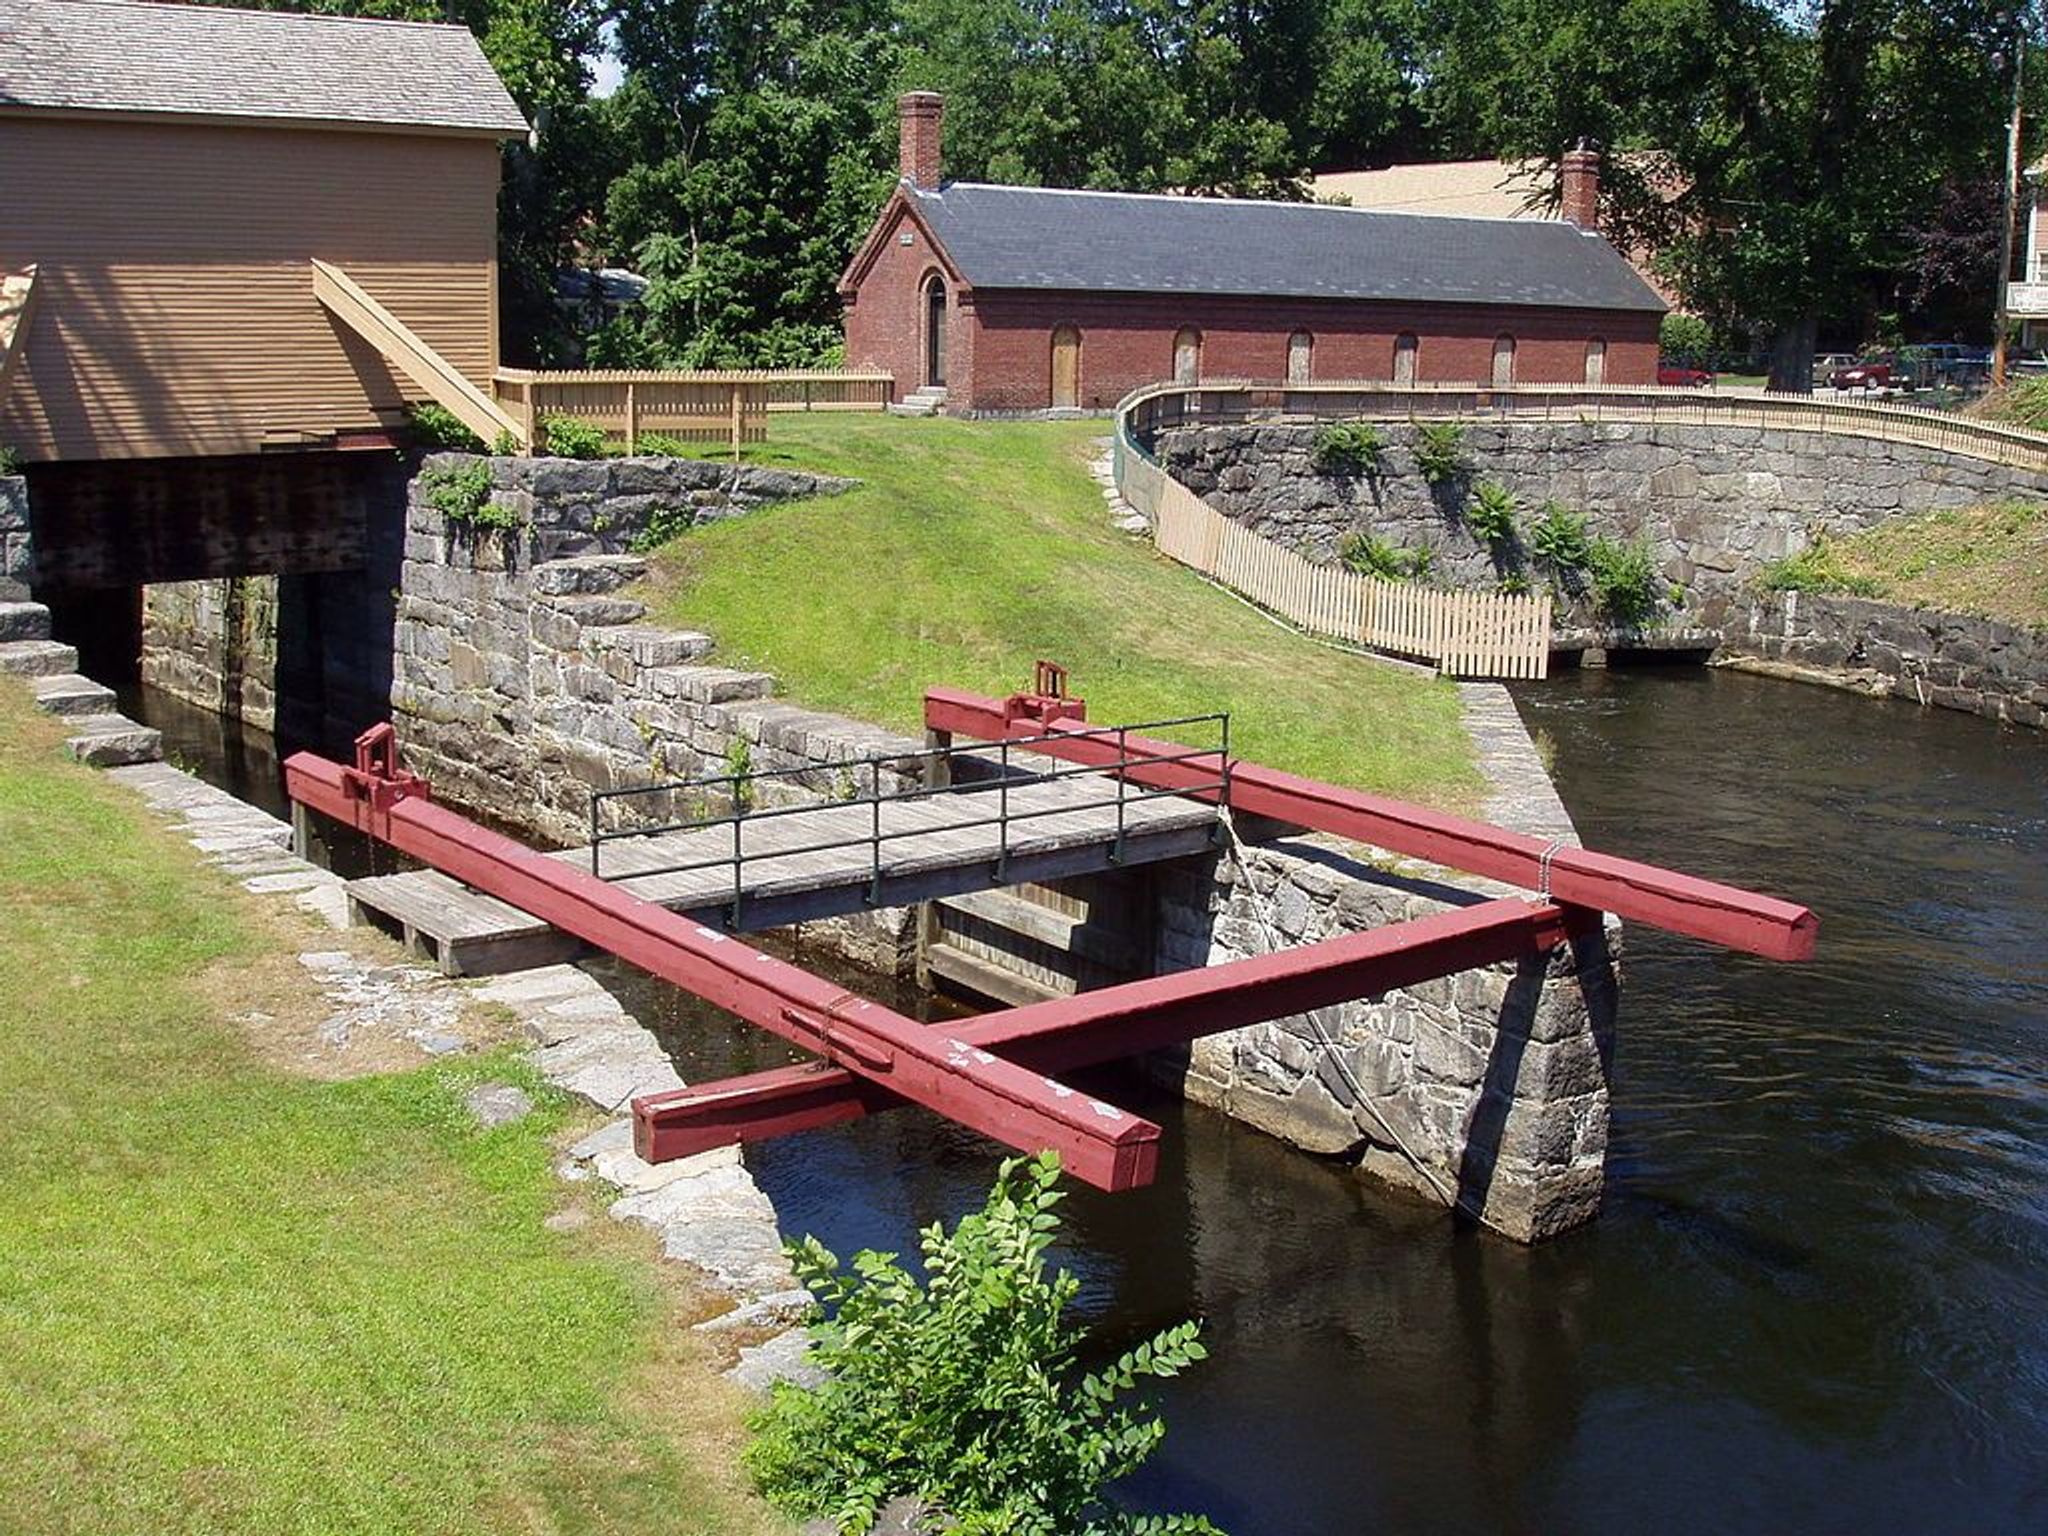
[177, 314]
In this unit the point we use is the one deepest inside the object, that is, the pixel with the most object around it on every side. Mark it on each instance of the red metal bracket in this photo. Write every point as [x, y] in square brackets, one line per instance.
[376, 779]
[1048, 699]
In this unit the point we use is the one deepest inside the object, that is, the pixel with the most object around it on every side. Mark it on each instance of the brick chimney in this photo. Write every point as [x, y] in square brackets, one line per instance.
[918, 116]
[1579, 184]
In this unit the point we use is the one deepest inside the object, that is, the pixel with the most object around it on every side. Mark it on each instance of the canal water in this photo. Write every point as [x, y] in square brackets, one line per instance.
[1817, 1299]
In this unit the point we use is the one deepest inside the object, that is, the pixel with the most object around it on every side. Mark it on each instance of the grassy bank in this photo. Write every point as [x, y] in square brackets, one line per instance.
[237, 1300]
[973, 548]
[1988, 561]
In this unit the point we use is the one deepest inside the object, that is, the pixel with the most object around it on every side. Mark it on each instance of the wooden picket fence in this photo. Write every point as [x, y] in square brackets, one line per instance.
[727, 407]
[1463, 634]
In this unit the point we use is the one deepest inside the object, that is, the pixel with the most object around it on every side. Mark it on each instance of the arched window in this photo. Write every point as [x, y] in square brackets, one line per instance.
[1596, 362]
[1187, 356]
[935, 331]
[1503, 361]
[1300, 354]
[1066, 367]
[1406, 348]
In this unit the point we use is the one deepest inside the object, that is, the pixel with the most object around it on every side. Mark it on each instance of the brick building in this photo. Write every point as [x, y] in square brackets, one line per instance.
[1028, 298]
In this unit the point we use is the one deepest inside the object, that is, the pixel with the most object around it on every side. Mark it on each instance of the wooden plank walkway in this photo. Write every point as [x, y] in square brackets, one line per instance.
[931, 846]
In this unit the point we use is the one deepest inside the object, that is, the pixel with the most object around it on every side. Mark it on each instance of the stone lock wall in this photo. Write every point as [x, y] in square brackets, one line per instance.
[1952, 661]
[1716, 503]
[525, 681]
[214, 644]
[1487, 1090]
[17, 561]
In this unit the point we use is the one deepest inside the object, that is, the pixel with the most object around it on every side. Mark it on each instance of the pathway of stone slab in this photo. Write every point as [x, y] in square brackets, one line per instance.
[707, 1210]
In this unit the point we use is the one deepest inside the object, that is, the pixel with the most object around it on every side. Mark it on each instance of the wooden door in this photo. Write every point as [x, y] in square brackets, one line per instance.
[1066, 368]
[1300, 355]
[935, 333]
[1187, 357]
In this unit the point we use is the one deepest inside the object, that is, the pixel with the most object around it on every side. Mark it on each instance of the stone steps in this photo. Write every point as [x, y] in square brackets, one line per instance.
[113, 741]
[586, 575]
[68, 693]
[928, 401]
[24, 621]
[37, 658]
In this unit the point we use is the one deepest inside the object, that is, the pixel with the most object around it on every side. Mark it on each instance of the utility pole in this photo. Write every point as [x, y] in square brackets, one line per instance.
[2009, 203]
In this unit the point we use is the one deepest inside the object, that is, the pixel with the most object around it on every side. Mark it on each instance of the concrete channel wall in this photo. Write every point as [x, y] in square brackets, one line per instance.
[526, 679]
[1715, 503]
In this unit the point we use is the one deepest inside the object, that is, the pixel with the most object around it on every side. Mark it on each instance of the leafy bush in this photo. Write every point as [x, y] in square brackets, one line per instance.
[1440, 451]
[1686, 339]
[964, 1391]
[568, 438]
[1817, 568]
[505, 445]
[1515, 584]
[1492, 513]
[462, 494]
[664, 526]
[656, 445]
[2024, 404]
[433, 428]
[1558, 538]
[1370, 555]
[1348, 448]
[9, 460]
[739, 762]
[1626, 586]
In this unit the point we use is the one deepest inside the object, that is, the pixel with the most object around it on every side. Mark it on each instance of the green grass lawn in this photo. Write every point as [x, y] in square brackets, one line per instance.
[1991, 561]
[233, 1300]
[973, 548]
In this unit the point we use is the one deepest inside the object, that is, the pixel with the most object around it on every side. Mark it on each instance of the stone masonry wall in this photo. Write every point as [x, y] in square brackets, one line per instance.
[1486, 1090]
[1953, 661]
[17, 562]
[1716, 503]
[524, 681]
[214, 644]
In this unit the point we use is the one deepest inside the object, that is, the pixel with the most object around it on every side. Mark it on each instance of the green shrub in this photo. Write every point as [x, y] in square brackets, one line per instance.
[1817, 568]
[964, 1391]
[505, 445]
[2024, 404]
[1686, 339]
[1515, 584]
[565, 437]
[433, 428]
[1626, 586]
[1440, 451]
[1370, 555]
[739, 762]
[10, 461]
[1348, 448]
[462, 494]
[664, 526]
[1558, 538]
[1492, 513]
[657, 445]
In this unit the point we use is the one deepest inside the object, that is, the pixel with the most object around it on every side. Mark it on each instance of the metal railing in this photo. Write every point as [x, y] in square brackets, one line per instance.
[994, 773]
[1155, 408]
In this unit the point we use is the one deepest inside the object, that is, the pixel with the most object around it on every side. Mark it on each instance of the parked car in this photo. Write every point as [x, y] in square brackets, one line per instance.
[1681, 376]
[1825, 365]
[1869, 374]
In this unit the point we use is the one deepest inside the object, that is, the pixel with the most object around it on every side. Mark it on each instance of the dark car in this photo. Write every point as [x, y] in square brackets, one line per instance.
[1680, 376]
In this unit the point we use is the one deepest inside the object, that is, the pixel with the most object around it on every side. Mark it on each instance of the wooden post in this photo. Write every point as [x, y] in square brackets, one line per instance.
[736, 419]
[938, 774]
[632, 419]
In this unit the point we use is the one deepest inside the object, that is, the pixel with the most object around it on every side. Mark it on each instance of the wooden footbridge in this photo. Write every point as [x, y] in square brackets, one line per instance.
[1068, 796]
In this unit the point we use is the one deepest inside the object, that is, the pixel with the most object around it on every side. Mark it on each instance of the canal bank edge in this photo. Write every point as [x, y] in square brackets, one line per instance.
[1948, 660]
[526, 680]
[707, 1211]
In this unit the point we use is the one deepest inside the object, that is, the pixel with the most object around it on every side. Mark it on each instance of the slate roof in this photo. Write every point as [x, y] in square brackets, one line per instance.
[1032, 237]
[137, 56]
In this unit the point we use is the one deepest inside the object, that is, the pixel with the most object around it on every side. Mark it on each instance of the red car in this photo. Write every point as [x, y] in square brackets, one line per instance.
[1682, 377]
[1873, 374]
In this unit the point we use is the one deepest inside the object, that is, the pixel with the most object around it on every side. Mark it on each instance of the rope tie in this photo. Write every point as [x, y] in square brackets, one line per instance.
[1543, 868]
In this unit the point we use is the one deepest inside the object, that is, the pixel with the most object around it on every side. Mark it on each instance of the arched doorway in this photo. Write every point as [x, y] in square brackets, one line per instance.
[1596, 362]
[1066, 368]
[935, 331]
[1503, 361]
[1406, 346]
[1301, 348]
[1187, 356]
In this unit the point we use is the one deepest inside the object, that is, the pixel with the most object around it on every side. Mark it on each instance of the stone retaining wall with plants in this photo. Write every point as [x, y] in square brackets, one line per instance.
[1949, 660]
[17, 561]
[1677, 520]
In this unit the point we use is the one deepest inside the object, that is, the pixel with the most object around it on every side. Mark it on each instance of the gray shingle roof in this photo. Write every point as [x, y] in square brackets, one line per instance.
[138, 56]
[1030, 237]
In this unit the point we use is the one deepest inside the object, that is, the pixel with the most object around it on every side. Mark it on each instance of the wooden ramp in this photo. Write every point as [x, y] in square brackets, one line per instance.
[803, 864]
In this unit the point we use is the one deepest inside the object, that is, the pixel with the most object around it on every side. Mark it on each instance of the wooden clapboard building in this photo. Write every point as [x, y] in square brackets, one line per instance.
[234, 232]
